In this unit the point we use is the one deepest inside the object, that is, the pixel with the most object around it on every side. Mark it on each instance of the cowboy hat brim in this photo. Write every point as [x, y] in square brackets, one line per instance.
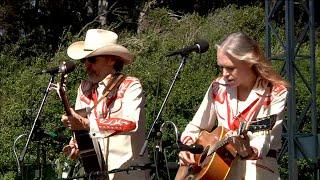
[77, 51]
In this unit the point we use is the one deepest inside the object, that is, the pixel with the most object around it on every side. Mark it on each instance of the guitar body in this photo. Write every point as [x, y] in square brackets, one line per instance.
[87, 155]
[218, 155]
[210, 165]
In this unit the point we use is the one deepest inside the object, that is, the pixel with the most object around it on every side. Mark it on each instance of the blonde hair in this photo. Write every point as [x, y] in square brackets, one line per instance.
[244, 48]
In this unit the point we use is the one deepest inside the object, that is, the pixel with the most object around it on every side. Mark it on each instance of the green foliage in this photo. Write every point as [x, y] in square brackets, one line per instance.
[305, 167]
[8, 176]
[21, 90]
[166, 34]
[21, 94]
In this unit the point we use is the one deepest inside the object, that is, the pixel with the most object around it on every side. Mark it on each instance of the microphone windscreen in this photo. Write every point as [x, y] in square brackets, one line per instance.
[203, 45]
[67, 67]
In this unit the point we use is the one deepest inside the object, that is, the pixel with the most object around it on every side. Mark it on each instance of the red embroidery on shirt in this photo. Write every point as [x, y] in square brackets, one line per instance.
[124, 85]
[220, 97]
[104, 108]
[245, 115]
[95, 100]
[86, 88]
[107, 101]
[111, 100]
[251, 111]
[278, 89]
[116, 124]
[267, 101]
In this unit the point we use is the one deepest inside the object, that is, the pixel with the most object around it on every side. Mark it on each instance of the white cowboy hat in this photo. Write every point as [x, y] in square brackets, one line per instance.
[99, 42]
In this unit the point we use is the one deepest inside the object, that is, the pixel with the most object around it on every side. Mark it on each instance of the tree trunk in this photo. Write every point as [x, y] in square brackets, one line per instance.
[102, 11]
[141, 20]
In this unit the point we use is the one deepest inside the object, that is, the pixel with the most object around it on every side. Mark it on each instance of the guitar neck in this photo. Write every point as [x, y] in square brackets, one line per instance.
[221, 143]
[65, 101]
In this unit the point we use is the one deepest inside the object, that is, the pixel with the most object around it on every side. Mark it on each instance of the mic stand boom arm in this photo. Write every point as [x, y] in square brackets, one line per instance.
[183, 62]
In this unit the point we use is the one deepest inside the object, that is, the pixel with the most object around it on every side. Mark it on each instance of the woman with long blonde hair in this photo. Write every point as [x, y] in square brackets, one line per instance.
[248, 92]
[244, 48]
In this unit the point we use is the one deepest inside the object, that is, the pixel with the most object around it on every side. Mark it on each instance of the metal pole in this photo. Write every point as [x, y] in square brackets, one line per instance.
[267, 30]
[289, 59]
[314, 121]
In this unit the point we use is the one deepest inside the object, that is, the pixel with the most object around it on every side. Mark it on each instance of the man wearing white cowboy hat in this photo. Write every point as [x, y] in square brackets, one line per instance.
[115, 106]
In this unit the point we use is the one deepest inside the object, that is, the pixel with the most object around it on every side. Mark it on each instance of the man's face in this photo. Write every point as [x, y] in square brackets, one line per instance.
[98, 67]
[233, 71]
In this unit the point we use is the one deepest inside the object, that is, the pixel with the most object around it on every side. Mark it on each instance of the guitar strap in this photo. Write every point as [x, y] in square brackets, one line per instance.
[111, 87]
[240, 118]
[268, 90]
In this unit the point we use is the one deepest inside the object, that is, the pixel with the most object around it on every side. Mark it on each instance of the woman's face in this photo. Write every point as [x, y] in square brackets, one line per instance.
[234, 71]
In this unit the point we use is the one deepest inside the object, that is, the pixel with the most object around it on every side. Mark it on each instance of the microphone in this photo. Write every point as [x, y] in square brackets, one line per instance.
[200, 46]
[64, 68]
[194, 148]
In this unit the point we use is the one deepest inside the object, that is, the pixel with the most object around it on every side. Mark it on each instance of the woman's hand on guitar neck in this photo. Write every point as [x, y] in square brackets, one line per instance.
[242, 145]
[75, 121]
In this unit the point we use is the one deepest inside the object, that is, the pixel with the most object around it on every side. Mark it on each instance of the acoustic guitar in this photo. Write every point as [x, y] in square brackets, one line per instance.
[215, 161]
[88, 156]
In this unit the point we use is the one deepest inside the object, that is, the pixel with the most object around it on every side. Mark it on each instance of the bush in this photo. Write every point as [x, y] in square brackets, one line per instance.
[21, 90]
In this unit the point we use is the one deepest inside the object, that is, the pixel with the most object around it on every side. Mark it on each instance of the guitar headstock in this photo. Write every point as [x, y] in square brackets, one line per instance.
[61, 86]
[64, 69]
[262, 124]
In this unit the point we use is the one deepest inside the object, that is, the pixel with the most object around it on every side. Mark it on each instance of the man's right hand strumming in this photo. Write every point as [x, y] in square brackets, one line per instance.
[71, 150]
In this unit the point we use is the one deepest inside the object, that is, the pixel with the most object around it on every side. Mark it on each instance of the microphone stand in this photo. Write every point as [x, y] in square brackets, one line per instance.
[162, 148]
[34, 129]
[155, 122]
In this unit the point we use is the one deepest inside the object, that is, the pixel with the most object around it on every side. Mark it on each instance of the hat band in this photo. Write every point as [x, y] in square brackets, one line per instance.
[88, 49]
